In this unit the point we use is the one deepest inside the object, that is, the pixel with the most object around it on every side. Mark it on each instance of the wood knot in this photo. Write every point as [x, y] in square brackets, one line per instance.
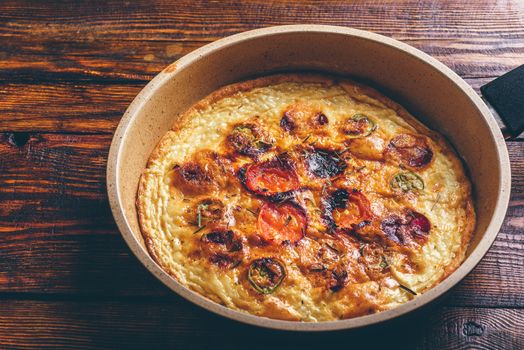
[472, 329]
[19, 139]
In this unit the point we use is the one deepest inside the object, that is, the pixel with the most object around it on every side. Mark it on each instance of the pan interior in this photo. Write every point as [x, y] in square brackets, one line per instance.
[426, 92]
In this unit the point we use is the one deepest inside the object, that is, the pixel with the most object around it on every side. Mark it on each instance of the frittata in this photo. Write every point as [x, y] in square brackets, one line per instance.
[305, 197]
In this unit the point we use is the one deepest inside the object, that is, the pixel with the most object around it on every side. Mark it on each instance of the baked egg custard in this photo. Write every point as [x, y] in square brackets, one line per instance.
[304, 197]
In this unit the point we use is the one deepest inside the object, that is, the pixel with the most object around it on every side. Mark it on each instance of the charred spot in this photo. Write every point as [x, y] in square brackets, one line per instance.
[249, 140]
[222, 247]
[324, 164]
[282, 160]
[235, 246]
[286, 123]
[355, 228]
[241, 174]
[302, 117]
[362, 224]
[224, 260]
[338, 279]
[219, 237]
[421, 157]
[317, 267]
[403, 229]
[337, 199]
[193, 173]
[282, 196]
[193, 178]
[321, 118]
[270, 266]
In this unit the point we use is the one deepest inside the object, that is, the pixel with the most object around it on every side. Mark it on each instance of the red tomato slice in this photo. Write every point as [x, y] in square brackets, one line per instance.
[278, 223]
[270, 178]
[356, 211]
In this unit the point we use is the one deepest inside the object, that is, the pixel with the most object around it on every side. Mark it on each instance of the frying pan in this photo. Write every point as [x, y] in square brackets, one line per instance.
[427, 88]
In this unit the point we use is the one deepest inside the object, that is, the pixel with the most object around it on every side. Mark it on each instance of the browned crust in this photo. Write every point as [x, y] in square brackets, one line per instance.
[141, 209]
[327, 80]
[230, 90]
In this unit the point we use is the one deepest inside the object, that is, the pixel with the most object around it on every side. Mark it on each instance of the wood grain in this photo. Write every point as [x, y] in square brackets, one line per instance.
[81, 107]
[136, 39]
[64, 107]
[167, 324]
[54, 69]
[68, 71]
[55, 203]
[56, 230]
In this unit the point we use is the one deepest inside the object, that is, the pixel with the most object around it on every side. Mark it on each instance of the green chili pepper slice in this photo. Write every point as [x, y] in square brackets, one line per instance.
[246, 131]
[407, 181]
[359, 126]
[265, 275]
[248, 140]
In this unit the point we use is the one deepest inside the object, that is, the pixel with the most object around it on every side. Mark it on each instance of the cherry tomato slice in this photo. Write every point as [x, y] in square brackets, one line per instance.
[356, 211]
[411, 150]
[279, 223]
[271, 177]
[419, 224]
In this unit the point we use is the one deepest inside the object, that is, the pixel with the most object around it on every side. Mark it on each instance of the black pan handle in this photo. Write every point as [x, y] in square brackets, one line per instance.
[506, 95]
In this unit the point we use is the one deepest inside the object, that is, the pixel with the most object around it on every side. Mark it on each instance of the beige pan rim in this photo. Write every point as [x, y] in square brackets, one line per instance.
[115, 200]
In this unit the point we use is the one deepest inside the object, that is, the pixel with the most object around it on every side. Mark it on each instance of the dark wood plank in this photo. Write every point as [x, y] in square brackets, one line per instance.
[84, 107]
[56, 41]
[64, 107]
[57, 165]
[66, 277]
[176, 324]
[55, 79]
[58, 236]
[56, 228]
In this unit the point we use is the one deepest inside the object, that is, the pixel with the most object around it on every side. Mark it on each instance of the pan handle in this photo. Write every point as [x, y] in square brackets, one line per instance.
[506, 95]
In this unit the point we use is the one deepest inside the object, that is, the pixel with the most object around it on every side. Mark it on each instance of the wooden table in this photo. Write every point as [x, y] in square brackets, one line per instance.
[68, 72]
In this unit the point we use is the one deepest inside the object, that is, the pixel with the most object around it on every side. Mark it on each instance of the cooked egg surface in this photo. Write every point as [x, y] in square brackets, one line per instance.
[306, 198]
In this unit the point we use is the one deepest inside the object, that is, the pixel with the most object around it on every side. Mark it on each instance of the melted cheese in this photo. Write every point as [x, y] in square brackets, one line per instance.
[164, 209]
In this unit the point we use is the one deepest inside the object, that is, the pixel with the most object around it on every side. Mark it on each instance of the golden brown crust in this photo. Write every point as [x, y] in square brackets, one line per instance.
[141, 215]
[230, 90]
[354, 89]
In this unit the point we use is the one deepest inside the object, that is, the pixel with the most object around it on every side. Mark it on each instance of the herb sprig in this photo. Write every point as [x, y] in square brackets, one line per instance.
[410, 291]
